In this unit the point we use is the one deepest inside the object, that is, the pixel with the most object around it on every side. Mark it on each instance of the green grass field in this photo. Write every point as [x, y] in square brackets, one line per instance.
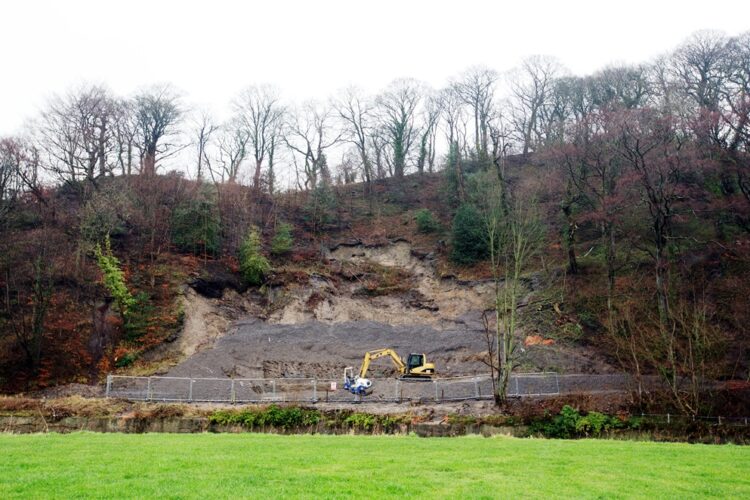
[263, 465]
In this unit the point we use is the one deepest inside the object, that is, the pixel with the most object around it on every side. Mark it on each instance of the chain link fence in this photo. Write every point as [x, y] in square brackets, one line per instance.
[239, 390]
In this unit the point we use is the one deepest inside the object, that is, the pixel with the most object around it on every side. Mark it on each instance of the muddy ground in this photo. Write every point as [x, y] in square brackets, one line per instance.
[256, 348]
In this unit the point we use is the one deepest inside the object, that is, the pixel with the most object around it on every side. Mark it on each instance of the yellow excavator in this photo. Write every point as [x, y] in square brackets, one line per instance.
[416, 367]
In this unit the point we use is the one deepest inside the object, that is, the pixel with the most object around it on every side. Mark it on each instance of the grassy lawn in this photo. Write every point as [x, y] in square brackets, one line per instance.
[262, 465]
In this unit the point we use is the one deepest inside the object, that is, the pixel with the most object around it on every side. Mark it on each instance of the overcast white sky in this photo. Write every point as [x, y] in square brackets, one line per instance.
[212, 48]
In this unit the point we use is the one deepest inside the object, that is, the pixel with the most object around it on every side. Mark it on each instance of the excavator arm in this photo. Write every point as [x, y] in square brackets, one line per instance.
[379, 353]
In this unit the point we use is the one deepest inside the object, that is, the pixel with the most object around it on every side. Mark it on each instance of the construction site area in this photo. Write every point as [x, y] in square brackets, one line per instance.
[325, 341]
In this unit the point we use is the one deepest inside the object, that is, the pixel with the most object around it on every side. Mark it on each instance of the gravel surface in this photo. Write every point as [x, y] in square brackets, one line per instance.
[254, 348]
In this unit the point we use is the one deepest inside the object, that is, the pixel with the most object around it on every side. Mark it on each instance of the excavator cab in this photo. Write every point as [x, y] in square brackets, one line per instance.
[414, 361]
[417, 366]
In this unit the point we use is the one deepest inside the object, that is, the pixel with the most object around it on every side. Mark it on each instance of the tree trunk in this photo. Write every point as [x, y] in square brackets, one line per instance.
[148, 166]
[256, 176]
[570, 240]
[460, 178]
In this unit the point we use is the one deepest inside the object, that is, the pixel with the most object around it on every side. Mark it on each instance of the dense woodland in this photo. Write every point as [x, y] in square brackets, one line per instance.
[630, 186]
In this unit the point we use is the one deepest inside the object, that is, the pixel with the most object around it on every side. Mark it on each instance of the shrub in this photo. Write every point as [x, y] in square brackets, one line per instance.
[469, 239]
[273, 416]
[362, 421]
[139, 317]
[113, 278]
[126, 360]
[282, 240]
[426, 221]
[196, 225]
[569, 423]
[253, 265]
[320, 206]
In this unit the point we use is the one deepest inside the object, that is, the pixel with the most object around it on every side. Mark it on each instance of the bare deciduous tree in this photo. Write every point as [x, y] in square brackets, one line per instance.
[476, 88]
[698, 67]
[622, 86]
[501, 137]
[232, 143]
[357, 115]
[659, 156]
[454, 118]
[77, 133]
[309, 134]
[158, 113]
[736, 118]
[203, 130]
[398, 107]
[258, 110]
[531, 86]
[125, 135]
[11, 183]
[427, 134]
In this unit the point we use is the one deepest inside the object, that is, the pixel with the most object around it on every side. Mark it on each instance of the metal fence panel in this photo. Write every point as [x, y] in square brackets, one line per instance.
[459, 389]
[212, 389]
[534, 384]
[127, 387]
[254, 390]
[168, 389]
[227, 390]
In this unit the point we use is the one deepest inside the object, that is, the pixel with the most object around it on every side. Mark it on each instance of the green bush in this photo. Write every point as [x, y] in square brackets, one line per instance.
[113, 278]
[126, 360]
[282, 241]
[139, 317]
[569, 423]
[426, 221]
[469, 238]
[293, 417]
[253, 265]
[273, 416]
[363, 421]
[196, 225]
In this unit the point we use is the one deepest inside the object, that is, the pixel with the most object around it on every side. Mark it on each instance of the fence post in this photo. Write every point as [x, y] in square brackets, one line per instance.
[234, 394]
[434, 382]
[667, 417]
[148, 390]
[397, 396]
[315, 390]
[518, 391]
[719, 420]
[476, 388]
[557, 382]
[109, 385]
[273, 388]
[190, 392]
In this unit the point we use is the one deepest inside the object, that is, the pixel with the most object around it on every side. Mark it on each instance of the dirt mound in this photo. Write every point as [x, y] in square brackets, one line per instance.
[206, 320]
[419, 296]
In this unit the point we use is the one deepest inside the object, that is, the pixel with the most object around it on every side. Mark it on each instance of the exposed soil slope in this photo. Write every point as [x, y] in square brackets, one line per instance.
[317, 328]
